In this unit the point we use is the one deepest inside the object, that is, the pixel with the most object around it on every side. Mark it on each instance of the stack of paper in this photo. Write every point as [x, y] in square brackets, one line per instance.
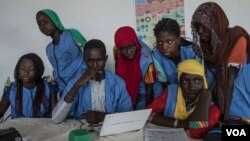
[169, 134]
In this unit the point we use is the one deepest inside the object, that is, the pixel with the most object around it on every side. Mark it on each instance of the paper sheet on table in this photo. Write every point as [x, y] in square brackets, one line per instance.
[169, 134]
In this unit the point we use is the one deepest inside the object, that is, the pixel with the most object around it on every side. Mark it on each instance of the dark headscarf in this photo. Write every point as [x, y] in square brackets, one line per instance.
[211, 16]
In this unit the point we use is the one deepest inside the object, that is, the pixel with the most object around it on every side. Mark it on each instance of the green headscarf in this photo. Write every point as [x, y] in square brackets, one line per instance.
[77, 36]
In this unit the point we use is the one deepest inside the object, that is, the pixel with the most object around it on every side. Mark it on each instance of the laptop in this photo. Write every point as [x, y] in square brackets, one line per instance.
[122, 122]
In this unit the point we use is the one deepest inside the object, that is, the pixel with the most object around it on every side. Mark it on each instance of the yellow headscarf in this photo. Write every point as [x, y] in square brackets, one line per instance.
[192, 67]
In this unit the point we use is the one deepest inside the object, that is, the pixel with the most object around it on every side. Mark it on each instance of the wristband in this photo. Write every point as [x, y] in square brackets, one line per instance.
[198, 124]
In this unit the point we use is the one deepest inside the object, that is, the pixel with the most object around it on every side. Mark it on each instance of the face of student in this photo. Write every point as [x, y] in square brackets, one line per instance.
[203, 32]
[45, 24]
[95, 59]
[168, 44]
[191, 84]
[27, 71]
[128, 51]
[205, 38]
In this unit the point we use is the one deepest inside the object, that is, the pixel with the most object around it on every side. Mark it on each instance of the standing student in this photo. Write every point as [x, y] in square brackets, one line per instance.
[187, 105]
[134, 64]
[29, 95]
[97, 92]
[170, 50]
[226, 50]
[64, 51]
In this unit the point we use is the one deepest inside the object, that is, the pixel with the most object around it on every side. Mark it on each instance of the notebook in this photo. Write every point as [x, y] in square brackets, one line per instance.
[122, 122]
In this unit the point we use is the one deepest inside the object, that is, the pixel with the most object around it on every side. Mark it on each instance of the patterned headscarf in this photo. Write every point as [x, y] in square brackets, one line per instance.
[189, 66]
[129, 70]
[211, 16]
[77, 36]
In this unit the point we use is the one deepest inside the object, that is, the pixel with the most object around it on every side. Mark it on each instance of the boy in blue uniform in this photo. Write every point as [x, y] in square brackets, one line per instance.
[96, 92]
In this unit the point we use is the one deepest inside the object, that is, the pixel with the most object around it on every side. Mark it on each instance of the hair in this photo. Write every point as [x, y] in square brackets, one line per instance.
[172, 27]
[95, 43]
[39, 67]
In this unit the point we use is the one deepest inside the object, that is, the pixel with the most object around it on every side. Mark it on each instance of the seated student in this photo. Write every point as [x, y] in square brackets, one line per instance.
[29, 95]
[63, 52]
[188, 105]
[97, 92]
[134, 64]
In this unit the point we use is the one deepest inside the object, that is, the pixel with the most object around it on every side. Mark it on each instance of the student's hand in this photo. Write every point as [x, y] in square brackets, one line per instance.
[94, 117]
[88, 74]
[96, 74]
[205, 95]
[91, 117]
[201, 112]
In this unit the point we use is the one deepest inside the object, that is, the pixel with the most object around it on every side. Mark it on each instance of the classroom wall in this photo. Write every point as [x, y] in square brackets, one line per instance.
[19, 33]
[237, 12]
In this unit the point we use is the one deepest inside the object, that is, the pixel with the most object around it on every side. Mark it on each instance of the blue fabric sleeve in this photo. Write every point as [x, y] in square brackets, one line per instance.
[125, 103]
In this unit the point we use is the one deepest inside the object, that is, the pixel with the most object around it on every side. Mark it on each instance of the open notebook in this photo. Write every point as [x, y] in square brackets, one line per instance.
[122, 122]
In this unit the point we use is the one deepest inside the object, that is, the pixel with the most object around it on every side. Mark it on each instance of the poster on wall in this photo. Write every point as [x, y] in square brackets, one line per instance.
[149, 12]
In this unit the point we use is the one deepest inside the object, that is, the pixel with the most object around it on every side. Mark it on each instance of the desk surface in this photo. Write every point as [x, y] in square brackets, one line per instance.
[43, 129]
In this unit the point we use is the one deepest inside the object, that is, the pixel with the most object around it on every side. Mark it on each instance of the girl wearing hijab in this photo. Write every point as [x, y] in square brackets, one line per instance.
[187, 105]
[134, 64]
[64, 51]
[226, 53]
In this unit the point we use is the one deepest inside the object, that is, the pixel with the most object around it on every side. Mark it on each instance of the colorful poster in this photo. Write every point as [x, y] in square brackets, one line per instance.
[149, 12]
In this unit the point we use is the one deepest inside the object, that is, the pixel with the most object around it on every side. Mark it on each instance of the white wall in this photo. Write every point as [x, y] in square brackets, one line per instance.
[237, 12]
[19, 33]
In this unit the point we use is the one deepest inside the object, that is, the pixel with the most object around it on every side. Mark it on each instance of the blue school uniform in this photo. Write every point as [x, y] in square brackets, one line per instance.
[171, 100]
[28, 99]
[167, 68]
[240, 103]
[145, 61]
[116, 96]
[66, 59]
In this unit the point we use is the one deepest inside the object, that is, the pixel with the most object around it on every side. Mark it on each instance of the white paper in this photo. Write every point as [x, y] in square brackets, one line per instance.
[167, 134]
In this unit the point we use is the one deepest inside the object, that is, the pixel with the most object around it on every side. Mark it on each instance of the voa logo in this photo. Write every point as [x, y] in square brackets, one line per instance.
[236, 132]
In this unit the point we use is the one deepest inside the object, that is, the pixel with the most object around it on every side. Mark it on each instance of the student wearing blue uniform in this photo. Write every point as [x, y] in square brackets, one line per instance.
[29, 95]
[134, 64]
[170, 50]
[96, 93]
[64, 52]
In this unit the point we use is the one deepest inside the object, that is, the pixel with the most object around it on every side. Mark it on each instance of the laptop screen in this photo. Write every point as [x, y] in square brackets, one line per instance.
[124, 122]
